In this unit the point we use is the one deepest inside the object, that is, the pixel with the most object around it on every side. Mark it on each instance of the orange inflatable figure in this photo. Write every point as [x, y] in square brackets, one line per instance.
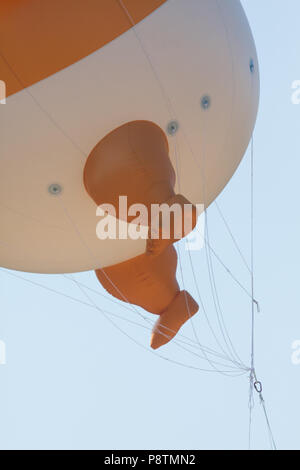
[133, 161]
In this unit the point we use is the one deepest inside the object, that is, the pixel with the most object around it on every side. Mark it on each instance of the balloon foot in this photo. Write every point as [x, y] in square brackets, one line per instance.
[173, 318]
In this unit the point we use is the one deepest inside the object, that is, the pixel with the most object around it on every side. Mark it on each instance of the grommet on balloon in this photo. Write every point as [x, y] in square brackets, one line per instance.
[172, 127]
[55, 189]
[205, 102]
[252, 66]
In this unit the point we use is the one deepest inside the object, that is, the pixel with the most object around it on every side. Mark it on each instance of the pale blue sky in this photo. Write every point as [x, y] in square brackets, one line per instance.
[72, 380]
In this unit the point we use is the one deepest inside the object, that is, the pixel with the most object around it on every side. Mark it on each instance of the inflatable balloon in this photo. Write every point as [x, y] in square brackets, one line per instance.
[155, 100]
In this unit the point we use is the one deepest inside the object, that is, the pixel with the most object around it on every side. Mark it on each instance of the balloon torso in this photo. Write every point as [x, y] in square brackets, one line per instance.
[190, 67]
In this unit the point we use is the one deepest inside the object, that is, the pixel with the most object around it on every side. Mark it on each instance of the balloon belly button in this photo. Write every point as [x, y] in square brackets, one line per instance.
[133, 161]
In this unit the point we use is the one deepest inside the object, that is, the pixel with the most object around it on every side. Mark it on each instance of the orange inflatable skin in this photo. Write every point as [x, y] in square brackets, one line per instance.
[133, 160]
[80, 27]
